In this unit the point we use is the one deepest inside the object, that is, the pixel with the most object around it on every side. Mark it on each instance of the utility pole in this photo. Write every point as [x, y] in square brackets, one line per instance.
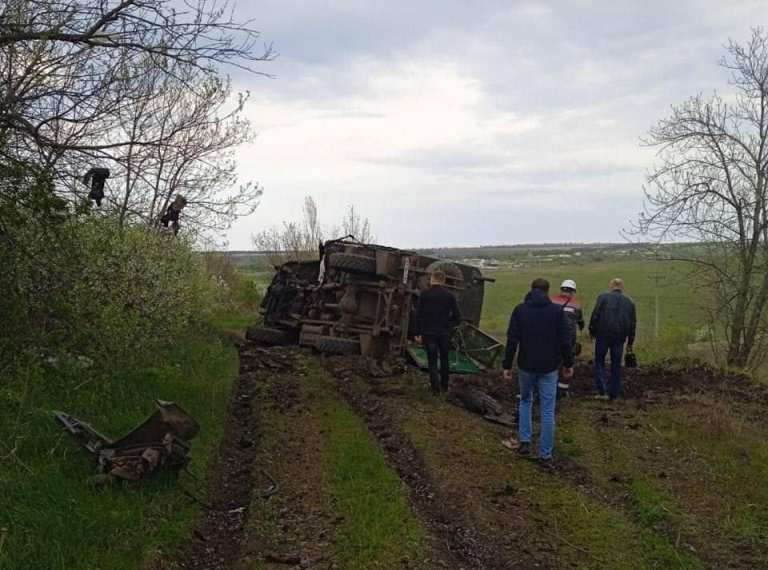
[656, 277]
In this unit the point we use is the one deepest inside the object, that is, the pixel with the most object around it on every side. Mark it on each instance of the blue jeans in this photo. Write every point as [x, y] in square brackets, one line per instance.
[602, 347]
[547, 383]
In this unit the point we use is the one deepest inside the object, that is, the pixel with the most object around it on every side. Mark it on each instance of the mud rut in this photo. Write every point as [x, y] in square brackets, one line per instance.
[455, 540]
[216, 539]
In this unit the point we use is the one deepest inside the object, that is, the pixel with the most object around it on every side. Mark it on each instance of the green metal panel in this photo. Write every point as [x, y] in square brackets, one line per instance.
[460, 362]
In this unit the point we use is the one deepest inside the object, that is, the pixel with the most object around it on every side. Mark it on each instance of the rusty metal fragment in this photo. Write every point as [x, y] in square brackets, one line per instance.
[161, 442]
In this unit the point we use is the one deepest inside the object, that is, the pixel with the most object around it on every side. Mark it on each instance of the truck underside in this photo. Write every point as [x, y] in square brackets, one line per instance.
[361, 299]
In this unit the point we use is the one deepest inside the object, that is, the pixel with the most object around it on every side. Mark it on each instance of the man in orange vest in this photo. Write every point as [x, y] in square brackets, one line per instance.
[574, 316]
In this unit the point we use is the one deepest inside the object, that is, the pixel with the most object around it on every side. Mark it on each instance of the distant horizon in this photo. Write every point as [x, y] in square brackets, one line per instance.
[500, 246]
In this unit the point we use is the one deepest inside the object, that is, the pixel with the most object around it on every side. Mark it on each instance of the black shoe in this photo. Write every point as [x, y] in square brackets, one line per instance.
[524, 448]
[547, 463]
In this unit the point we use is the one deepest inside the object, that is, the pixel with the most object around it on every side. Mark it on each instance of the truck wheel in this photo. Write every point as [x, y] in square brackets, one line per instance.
[352, 263]
[451, 270]
[337, 345]
[270, 336]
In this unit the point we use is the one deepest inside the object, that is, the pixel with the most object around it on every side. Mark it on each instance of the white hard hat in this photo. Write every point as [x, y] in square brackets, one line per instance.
[568, 284]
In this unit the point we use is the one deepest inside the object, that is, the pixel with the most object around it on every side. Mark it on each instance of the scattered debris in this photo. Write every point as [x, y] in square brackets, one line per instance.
[160, 442]
[173, 212]
[479, 402]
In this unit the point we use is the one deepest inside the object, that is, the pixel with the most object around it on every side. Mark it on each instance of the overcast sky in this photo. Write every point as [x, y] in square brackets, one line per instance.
[451, 122]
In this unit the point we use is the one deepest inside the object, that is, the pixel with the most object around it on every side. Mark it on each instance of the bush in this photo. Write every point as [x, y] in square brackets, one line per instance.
[84, 285]
[235, 291]
[674, 341]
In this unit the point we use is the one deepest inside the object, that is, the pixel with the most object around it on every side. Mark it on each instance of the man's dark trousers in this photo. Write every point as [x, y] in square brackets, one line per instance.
[615, 346]
[437, 346]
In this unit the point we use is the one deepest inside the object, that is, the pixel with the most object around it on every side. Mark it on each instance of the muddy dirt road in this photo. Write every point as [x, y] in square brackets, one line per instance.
[216, 540]
[373, 472]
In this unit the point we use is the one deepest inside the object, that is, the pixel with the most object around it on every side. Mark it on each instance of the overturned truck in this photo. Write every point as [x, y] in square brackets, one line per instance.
[361, 299]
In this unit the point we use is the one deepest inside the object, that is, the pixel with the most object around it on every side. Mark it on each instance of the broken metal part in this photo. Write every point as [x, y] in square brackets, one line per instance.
[160, 442]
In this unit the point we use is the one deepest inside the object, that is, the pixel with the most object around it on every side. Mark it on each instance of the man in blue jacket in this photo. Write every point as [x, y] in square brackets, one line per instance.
[538, 332]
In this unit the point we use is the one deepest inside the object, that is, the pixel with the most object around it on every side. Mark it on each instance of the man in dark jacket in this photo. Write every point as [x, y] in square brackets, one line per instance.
[437, 314]
[538, 329]
[612, 324]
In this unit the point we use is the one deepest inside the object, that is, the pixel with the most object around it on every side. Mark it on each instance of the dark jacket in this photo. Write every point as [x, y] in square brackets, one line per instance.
[614, 317]
[539, 328]
[573, 314]
[437, 312]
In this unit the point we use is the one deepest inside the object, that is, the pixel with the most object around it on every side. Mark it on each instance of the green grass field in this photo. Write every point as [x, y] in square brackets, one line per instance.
[680, 321]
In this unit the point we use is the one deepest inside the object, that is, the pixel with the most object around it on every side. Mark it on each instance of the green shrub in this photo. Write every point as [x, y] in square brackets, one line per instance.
[85, 285]
[235, 291]
[674, 341]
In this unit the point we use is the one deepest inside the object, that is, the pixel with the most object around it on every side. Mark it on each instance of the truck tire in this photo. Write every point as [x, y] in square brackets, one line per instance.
[451, 270]
[352, 263]
[337, 345]
[270, 336]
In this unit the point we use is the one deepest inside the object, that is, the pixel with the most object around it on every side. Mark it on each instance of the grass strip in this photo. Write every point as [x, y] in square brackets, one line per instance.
[378, 528]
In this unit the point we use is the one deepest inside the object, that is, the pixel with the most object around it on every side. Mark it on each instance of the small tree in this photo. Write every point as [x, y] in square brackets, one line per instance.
[296, 241]
[711, 186]
[293, 241]
[353, 224]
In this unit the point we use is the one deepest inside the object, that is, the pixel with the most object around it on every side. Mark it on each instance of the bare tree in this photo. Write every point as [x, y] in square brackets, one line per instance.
[74, 75]
[296, 241]
[293, 241]
[200, 124]
[711, 186]
[353, 224]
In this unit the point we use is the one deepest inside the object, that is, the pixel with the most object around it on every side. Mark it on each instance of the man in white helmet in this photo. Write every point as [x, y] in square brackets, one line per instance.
[574, 317]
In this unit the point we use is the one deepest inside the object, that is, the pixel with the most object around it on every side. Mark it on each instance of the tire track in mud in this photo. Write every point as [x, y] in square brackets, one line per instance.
[457, 542]
[216, 539]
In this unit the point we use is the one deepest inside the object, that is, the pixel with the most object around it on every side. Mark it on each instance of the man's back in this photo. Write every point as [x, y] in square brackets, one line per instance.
[614, 316]
[437, 312]
[540, 330]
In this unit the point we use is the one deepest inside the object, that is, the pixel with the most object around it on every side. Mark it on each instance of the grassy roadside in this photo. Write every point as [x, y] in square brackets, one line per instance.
[676, 482]
[50, 515]
[339, 499]
[567, 519]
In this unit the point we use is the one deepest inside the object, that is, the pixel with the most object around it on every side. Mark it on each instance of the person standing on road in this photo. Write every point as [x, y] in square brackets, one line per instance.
[437, 314]
[613, 323]
[575, 318]
[538, 332]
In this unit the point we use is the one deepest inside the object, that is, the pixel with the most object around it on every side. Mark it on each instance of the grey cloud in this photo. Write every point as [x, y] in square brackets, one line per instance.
[596, 75]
